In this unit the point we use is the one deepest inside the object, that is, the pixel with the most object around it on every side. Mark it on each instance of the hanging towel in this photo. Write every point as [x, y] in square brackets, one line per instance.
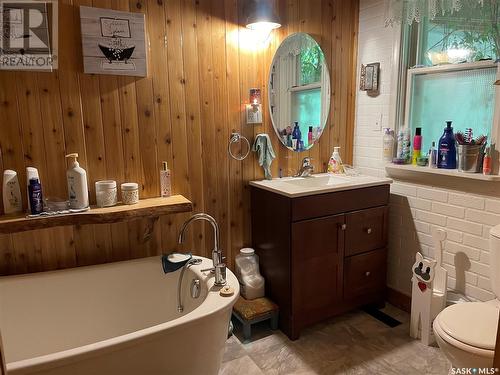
[263, 146]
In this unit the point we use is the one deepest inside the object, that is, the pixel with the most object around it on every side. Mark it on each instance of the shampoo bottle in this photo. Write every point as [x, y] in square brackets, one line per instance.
[77, 185]
[35, 196]
[447, 152]
[31, 172]
[12, 202]
[165, 181]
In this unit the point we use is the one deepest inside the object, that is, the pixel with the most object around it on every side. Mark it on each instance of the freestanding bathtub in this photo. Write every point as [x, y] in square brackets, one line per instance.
[117, 318]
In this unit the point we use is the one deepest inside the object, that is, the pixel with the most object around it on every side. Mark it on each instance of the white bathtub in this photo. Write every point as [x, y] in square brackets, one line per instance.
[118, 318]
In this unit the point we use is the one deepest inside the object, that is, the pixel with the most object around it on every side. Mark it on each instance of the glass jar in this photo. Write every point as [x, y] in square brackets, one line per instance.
[130, 193]
[105, 193]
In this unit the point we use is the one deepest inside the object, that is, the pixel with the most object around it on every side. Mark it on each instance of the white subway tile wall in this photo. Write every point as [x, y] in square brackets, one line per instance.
[414, 208]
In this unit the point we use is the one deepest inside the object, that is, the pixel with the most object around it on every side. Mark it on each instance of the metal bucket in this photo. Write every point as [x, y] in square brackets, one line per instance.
[470, 158]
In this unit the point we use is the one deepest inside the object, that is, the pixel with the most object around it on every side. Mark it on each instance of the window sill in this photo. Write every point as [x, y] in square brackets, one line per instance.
[395, 170]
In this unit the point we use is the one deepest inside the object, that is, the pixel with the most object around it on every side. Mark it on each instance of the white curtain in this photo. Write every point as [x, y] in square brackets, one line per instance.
[409, 11]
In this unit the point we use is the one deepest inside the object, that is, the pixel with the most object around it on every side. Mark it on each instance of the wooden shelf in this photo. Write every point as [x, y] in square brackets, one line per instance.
[151, 207]
[393, 169]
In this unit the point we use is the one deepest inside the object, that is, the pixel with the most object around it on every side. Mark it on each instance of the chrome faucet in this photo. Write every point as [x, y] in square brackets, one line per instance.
[307, 168]
[219, 268]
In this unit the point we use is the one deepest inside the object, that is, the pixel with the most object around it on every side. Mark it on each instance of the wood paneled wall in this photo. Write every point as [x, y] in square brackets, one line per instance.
[202, 63]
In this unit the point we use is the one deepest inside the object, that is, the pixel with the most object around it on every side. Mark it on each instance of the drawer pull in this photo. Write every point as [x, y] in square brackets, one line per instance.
[369, 230]
[367, 273]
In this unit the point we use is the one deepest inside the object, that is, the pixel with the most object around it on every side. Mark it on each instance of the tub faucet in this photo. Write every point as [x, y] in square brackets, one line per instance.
[307, 168]
[219, 268]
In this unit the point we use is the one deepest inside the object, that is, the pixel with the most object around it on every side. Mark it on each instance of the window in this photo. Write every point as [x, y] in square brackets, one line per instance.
[448, 72]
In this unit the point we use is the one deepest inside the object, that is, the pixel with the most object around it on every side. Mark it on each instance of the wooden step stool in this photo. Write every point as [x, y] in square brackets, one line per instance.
[254, 311]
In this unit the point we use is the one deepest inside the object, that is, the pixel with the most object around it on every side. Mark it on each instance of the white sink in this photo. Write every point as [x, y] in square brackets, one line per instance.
[317, 184]
[314, 181]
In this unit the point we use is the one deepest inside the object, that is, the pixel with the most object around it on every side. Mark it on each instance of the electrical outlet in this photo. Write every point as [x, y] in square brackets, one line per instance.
[377, 126]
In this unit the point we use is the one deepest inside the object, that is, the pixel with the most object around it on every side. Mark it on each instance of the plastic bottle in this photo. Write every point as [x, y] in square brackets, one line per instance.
[417, 146]
[296, 137]
[447, 151]
[247, 271]
[165, 180]
[433, 156]
[31, 172]
[335, 164]
[406, 148]
[77, 184]
[35, 196]
[388, 145]
[12, 202]
[400, 141]
[310, 137]
[487, 161]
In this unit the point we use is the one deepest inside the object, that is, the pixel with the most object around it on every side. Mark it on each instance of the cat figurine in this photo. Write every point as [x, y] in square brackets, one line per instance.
[429, 281]
[421, 301]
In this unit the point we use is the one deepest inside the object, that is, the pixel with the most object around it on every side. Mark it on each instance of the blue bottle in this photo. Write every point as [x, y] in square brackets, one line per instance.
[297, 135]
[35, 196]
[447, 151]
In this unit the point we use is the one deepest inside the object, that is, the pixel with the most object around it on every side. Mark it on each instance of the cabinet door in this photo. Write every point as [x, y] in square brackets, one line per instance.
[317, 256]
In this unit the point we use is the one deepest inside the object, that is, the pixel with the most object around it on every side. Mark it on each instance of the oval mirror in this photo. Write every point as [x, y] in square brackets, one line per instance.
[299, 92]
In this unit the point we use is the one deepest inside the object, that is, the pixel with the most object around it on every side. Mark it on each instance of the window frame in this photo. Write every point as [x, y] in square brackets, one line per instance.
[404, 57]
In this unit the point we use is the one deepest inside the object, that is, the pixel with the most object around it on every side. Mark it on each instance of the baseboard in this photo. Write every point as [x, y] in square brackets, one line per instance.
[398, 299]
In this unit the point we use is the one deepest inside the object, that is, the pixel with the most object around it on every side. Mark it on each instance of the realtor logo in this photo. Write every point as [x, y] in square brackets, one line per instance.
[29, 35]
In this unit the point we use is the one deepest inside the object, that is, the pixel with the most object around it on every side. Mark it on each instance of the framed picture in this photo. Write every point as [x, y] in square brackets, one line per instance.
[369, 77]
[113, 42]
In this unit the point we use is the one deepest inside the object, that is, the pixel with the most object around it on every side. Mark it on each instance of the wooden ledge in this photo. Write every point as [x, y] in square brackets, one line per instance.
[151, 207]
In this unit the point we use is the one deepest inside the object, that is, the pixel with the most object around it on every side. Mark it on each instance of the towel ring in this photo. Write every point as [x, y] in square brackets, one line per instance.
[237, 137]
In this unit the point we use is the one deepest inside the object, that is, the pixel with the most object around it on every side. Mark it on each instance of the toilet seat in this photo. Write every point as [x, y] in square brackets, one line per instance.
[470, 326]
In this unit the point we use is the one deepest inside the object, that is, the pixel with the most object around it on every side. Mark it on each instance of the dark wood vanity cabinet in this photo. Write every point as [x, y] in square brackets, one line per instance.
[321, 255]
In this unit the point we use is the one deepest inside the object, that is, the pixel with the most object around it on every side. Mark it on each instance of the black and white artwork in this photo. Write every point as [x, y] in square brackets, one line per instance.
[113, 42]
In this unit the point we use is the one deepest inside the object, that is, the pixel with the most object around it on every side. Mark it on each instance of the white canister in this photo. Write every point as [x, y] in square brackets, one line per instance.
[105, 193]
[130, 193]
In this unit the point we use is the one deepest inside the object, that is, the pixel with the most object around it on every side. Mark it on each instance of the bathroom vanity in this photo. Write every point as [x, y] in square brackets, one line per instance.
[322, 243]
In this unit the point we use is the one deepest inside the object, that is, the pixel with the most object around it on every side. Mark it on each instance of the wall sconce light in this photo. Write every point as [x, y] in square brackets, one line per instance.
[261, 16]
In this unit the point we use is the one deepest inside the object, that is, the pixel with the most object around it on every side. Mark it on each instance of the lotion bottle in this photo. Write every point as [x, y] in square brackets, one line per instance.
[165, 181]
[447, 152]
[12, 202]
[77, 184]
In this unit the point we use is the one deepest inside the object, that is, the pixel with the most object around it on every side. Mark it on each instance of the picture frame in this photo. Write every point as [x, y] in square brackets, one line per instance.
[113, 42]
[369, 80]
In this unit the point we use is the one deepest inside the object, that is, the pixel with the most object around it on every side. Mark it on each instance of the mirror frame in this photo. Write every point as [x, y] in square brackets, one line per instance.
[269, 92]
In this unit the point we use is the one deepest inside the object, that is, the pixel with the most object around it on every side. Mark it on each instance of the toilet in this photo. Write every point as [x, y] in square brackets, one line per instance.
[466, 332]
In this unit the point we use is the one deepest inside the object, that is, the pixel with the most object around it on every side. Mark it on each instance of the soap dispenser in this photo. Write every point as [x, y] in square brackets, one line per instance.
[335, 164]
[447, 151]
[77, 185]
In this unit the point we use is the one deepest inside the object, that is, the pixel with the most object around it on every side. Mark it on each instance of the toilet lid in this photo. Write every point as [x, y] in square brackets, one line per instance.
[473, 323]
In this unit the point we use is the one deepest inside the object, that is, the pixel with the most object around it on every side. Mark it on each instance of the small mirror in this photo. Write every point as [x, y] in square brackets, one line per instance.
[299, 92]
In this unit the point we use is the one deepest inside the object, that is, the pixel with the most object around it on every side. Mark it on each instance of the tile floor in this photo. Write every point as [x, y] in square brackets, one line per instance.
[354, 343]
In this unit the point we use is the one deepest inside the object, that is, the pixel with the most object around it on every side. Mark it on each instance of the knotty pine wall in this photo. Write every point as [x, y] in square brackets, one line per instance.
[202, 62]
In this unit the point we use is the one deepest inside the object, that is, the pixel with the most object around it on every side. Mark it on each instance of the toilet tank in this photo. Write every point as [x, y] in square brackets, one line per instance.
[495, 260]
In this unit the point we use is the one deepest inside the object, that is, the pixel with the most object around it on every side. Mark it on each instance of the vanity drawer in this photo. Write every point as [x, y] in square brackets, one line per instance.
[319, 205]
[366, 230]
[365, 273]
